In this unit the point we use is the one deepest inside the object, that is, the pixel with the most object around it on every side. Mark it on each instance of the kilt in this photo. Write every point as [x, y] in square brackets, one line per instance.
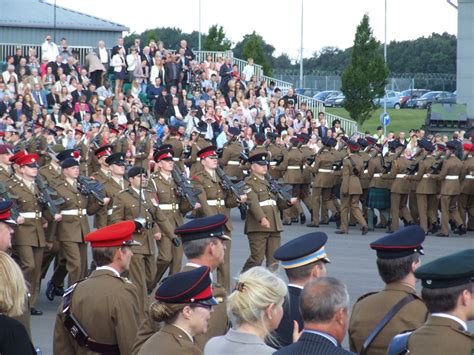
[379, 198]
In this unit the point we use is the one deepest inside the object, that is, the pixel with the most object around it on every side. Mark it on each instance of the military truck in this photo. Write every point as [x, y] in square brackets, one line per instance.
[445, 118]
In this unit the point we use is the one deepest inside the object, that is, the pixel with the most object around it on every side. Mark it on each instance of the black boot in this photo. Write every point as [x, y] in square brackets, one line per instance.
[302, 218]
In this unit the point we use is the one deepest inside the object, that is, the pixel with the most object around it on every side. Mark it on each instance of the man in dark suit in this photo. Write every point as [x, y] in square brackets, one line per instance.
[5, 105]
[323, 128]
[171, 71]
[259, 126]
[53, 98]
[78, 93]
[324, 306]
[161, 103]
[303, 259]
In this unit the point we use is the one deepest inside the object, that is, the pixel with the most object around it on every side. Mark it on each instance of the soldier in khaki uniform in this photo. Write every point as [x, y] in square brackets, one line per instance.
[450, 190]
[143, 146]
[104, 304]
[397, 259]
[116, 182]
[184, 303]
[351, 189]
[292, 166]
[85, 152]
[29, 238]
[200, 143]
[173, 207]
[263, 225]
[323, 182]
[74, 225]
[231, 155]
[177, 145]
[5, 167]
[136, 203]
[466, 200]
[447, 292]
[307, 176]
[426, 188]
[38, 145]
[214, 200]
[276, 154]
[194, 236]
[102, 175]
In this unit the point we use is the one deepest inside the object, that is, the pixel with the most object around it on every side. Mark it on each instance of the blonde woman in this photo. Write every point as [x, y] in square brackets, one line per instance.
[14, 339]
[255, 308]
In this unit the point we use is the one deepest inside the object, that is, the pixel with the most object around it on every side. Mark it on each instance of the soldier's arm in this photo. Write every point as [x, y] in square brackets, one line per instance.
[202, 197]
[443, 173]
[93, 206]
[225, 156]
[126, 317]
[163, 223]
[63, 343]
[118, 210]
[254, 205]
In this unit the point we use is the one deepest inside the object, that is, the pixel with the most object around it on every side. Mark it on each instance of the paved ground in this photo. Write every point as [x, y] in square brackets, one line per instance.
[352, 261]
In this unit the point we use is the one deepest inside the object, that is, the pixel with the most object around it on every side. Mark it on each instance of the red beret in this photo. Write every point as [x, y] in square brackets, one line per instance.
[115, 235]
[6, 149]
[467, 146]
[16, 156]
[167, 154]
[27, 159]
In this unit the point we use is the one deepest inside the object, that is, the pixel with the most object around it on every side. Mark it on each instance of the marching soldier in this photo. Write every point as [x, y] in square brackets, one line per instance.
[447, 292]
[173, 207]
[204, 239]
[200, 143]
[39, 143]
[307, 176]
[143, 146]
[364, 179]
[16, 175]
[276, 155]
[450, 190]
[259, 147]
[351, 189]
[231, 155]
[466, 200]
[177, 146]
[263, 225]
[135, 203]
[323, 182]
[426, 188]
[377, 316]
[303, 259]
[291, 166]
[102, 175]
[122, 145]
[215, 200]
[399, 189]
[113, 139]
[5, 164]
[82, 146]
[116, 182]
[100, 313]
[74, 225]
[29, 239]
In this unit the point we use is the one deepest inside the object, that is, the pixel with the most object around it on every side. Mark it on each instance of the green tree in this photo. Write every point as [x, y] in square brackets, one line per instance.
[253, 48]
[215, 40]
[365, 77]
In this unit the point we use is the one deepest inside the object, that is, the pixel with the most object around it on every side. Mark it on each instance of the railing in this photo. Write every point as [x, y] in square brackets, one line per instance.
[349, 126]
[282, 85]
[258, 69]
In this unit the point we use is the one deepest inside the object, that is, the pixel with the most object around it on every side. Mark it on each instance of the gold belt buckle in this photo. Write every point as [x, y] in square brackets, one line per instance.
[173, 206]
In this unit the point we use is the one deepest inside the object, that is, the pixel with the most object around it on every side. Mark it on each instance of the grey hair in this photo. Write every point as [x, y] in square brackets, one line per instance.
[195, 248]
[322, 298]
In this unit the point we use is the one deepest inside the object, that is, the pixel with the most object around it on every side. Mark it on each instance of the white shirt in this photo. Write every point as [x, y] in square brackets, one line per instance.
[108, 268]
[49, 50]
[450, 316]
[249, 70]
[104, 56]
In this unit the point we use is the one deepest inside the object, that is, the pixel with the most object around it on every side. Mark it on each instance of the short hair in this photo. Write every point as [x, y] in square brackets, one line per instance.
[103, 256]
[196, 248]
[12, 286]
[257, 288]
[392, 270]
[302, 272]
[322, 298]
[443, 299]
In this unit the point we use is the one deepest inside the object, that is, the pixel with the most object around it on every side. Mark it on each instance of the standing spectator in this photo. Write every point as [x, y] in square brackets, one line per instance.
[118, 62]
[256, 306]
[64, 51]
[188, 53]
[49, 49]
[249, 70]
[13, 336]
[171, 71]
[116, 48]
[157, 70]
[133, 60]
[103, 54]
[322, 128]
[324, 305]
[225, 72]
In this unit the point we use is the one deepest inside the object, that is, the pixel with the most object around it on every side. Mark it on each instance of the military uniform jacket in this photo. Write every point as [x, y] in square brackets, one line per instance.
[398, 172]
[31, 232]
[4, 175]
[120, 145]
[449, 176]
[170, 340]
[292, 166]
[178, 149]
[322, 169]
[50, 174]
[231, 160]
[374, 172]
[167, 195]
[291, 312]
[112, 187]
[195, 162]
[213, 198]
[126, 208]
[338, 155]
[275, 152]
[143, 152]
[467, 176]
[364, 178]
[369, 310]
[424, 185]
[107, 307]
[260, 193]
[441, 335]
[73, 228]
[100, 218]
[307, 153]
[350, 181]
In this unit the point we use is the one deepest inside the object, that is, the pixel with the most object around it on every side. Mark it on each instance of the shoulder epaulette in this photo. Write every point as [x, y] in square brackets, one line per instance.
[366, 295]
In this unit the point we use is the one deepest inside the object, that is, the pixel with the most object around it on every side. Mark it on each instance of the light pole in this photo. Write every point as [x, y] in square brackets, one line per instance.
[54, 22]
[301, 47]
[385, 60]
[199, 25]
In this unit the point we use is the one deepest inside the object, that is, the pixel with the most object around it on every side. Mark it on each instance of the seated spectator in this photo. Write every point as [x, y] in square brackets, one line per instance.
[324, 305]
[256, 306]
[104, 92]
[176, 113]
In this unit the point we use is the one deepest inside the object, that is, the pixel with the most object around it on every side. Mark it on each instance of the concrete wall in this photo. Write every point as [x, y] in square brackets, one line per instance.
[465, 55]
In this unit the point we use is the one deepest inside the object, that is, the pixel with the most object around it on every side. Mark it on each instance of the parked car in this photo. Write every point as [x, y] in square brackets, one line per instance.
[335, 101]
[324, 95]
[429, 98]
[392, 97]
[408, 97]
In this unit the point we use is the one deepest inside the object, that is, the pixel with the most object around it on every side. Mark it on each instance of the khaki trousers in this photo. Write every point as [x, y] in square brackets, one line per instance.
[142, 274]
[262, 245]
[350, 203]
[76, 260]
[169, 256]
[427, 208]
[398, 208]
[223, 270]
[29, 258]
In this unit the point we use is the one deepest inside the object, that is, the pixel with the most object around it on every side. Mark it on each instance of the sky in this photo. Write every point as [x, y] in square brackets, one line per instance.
[326, 23]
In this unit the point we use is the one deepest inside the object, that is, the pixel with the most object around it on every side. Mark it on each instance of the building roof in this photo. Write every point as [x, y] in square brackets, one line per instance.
[40, 14]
